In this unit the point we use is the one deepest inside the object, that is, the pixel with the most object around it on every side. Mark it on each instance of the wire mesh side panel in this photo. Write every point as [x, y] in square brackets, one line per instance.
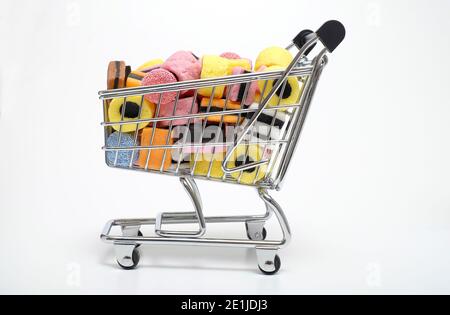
[190, 134]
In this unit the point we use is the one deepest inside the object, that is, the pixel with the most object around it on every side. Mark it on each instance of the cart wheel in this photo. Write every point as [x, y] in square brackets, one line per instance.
[270, 271]
[140, 235]
[135, 257]
[256, 236]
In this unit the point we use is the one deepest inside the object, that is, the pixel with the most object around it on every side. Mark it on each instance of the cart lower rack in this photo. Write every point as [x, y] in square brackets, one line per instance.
[249, 145]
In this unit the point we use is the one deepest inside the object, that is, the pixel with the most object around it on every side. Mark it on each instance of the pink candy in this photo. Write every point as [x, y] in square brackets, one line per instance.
[184, 107]
[183, 65]
[230, 55]
[237, 90]
[159, 76]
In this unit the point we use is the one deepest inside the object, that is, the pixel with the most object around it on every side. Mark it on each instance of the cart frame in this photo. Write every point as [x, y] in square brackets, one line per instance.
[127, 245]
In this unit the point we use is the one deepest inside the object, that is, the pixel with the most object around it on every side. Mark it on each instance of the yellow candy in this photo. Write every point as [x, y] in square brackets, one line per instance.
[291, 91]
[212, 67]
[151, 63]
[215, 66]
[243, 63]
[245, 154]
[204, 161]
[273, 56]
[132, 108]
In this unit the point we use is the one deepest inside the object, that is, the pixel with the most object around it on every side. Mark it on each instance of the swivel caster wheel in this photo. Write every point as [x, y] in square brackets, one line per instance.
[256, 231]
[132, 231]
[271, 267]
[268, 261]
[128, 256]
[140, 235]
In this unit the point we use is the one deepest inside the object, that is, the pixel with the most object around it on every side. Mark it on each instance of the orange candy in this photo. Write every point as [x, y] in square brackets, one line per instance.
[218, 105]
[157, 155]
[134, 79]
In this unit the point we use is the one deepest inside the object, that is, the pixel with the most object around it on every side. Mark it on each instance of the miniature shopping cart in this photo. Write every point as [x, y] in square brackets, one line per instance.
[267, 169]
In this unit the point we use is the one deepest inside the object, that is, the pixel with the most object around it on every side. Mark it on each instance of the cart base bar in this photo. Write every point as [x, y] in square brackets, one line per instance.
[127, 245]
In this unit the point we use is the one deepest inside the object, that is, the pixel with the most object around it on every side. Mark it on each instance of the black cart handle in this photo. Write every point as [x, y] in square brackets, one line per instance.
[331, 34]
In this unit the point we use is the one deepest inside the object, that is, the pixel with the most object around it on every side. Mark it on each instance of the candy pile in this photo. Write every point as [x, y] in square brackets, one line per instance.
[204, 160]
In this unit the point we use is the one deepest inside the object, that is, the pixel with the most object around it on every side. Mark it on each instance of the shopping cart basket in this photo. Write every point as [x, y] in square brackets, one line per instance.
[246, 159]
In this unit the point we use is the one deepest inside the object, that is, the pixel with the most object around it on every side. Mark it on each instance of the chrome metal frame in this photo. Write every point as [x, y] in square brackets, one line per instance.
[126, 244]
[266, 250]
[187, 218]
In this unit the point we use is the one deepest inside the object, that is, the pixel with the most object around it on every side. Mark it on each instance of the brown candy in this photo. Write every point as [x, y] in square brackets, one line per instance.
[117, 75]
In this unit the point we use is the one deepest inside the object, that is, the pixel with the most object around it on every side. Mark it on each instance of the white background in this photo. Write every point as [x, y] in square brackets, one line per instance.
[367, 194]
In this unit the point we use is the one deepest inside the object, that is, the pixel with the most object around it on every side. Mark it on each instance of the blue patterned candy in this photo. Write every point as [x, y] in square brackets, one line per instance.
[123, 157]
